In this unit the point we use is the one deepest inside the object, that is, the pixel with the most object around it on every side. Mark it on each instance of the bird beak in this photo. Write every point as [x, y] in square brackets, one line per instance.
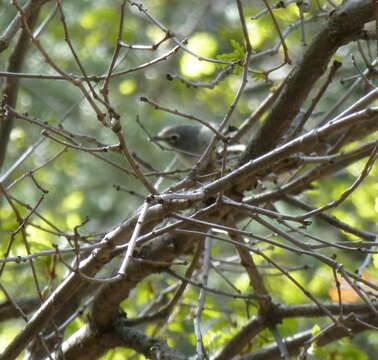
[158, 138]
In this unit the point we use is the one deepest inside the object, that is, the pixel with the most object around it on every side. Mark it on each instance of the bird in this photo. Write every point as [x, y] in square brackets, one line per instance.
[189, 141]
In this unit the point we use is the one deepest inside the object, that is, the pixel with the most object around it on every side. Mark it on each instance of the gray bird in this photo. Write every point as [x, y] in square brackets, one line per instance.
[190, 141]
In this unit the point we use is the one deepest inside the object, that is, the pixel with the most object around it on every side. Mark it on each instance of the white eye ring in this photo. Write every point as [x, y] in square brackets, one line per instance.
[173, 138]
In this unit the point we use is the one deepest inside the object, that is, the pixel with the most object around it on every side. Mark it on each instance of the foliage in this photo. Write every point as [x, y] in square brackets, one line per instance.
[266, 253]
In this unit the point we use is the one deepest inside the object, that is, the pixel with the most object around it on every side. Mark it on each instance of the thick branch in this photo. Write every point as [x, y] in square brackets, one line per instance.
[295, 343]
[16, 62]
[257, 323]
[344, 25]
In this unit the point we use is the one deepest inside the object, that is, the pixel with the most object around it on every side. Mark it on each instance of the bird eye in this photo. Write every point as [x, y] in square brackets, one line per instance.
[173, 138]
